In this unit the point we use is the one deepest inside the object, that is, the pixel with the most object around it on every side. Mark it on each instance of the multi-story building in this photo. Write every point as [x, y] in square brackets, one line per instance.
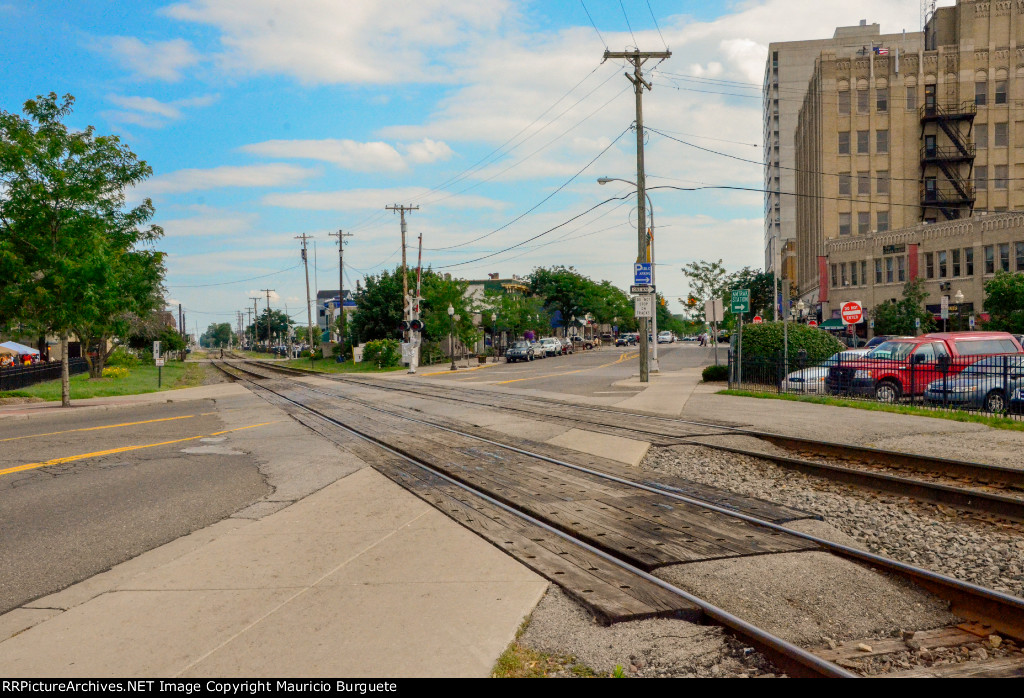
[788, 72]
[912, 131]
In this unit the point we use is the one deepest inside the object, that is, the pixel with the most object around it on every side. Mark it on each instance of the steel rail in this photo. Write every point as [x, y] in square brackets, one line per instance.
[795, 660]
[1003, 612]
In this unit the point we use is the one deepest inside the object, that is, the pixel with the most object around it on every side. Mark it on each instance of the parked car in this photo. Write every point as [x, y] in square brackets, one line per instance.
[812, 380]
[987, 384]
[622, 341]
[567, 347]
[907, 365]
[539, 352]
[582, 342]
[552, 347]
[666, 337]
[878, 339]
[519, 351]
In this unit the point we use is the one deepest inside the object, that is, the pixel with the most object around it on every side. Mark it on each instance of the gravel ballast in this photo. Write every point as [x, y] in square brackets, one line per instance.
[972, 547]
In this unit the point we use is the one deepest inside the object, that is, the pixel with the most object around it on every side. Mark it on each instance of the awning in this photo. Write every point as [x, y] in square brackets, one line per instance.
[832, 324]
[18, 348]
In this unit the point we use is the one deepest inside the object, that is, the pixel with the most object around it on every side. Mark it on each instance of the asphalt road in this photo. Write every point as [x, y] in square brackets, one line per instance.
[593, 372]
[110, 500]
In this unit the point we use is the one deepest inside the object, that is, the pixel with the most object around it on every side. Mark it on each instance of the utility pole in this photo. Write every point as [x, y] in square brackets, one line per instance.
[309, 311]
[255, 321]
[637, 58]
[341, 282]
[405, 277]
[267, 291]
[414, 356]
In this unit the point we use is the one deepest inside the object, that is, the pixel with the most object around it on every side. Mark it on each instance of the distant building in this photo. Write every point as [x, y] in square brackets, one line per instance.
[327, 309]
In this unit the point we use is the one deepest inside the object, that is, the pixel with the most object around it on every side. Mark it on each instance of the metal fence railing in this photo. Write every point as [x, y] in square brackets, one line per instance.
[16, 377]
[991, 385]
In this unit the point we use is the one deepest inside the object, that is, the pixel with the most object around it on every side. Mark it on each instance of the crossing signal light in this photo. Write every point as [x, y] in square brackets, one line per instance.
[403, 326]
[416, 325]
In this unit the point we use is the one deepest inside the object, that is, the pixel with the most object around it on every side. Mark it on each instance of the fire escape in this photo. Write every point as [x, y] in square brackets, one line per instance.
[946, 154]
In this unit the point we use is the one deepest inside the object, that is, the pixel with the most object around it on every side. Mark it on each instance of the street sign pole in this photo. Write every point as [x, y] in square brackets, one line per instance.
[739, 352]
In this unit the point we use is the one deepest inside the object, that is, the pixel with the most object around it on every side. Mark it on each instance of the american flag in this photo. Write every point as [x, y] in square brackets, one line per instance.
[881, 51]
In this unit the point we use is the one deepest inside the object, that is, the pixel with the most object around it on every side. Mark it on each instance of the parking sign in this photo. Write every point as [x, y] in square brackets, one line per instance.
[643, 273]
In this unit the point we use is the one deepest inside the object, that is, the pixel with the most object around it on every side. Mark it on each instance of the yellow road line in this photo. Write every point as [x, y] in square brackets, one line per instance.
[122, 449]
[108, 426]
[623, 357]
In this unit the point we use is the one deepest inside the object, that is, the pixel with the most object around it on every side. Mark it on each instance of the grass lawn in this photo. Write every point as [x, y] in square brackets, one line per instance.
[140, 379]
[954, 415]
[329, 365]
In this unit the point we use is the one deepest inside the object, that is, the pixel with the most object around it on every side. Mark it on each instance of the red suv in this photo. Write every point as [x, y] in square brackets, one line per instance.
[906, 365]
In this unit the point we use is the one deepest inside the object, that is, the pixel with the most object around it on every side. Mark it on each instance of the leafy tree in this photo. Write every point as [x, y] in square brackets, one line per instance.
[516, 313]
[760, 284]
[611, 305]
[1004, 302]
[899, 317]
[765, 342]
[279, 322]
[564, 290]
[439, 293]
[707, 280]
[64, 221]
[378, 307]
[218, 334]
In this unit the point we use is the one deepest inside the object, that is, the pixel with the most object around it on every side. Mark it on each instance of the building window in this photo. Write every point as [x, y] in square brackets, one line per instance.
[929, 265]
[844, 142]
[844, 103]
[1000, 137]
[1000, 92]
[956, 262]
[990, 259]
[882, 141]
[981, 177]
[901, 268]
[981, 93]
[844, 184]
[888, 270]
[1001, 177]
[882, 182]
[842, 274]
[834, 284]
[864, 273]
[1004, 256]
[863, 184]
[968, 261]
[863, 222]
[882, 99]
[911, 98]
[1020, 255]
[863, 142]
[883, 221]
[942, 264]
[862, 101]
[844, 223]
[981, 135]
[853, 274]
[878, 271]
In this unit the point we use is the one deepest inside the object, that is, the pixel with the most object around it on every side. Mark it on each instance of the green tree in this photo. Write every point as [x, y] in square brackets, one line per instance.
[515, 312]
[611, 305]
[218, 334]
[279, 323]
[760, 284]
[378, 307]
[64, 219]
[1004, 302]
[707, 280]
[564, 290]
[899, 317]
[439, 293]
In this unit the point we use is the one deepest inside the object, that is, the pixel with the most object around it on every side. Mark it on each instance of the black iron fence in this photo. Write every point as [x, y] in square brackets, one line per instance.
[990, 385]
[16, 377]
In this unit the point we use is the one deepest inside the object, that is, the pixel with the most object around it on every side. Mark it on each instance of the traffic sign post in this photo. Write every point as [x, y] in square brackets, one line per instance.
[740, 301]
[159, 360]
[852, 313]
[643, 305]
[642, 288]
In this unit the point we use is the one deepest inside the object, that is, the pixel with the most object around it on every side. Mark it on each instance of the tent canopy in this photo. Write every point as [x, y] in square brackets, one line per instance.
[832, 324]
[16, 348]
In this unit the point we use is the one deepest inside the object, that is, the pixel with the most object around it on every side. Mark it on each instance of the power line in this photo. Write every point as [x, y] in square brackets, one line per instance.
[237, 281]
[627, 23]
[605, 43]
[656, 24]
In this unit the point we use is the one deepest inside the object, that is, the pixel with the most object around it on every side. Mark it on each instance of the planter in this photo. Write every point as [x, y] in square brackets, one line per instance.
[481, 359]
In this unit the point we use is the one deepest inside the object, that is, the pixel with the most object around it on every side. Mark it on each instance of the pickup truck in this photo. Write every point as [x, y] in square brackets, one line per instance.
[906, 365]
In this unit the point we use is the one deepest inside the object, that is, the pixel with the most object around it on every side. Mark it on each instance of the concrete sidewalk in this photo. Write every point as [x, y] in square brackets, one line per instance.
[357, 577]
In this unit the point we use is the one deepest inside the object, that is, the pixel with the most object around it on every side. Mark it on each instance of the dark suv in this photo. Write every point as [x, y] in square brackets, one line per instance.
[519, 351]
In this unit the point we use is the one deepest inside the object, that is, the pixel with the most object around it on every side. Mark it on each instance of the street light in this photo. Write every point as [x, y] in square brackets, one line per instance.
[451, 334]
[644, 341]
[959, 298]
[494, 335]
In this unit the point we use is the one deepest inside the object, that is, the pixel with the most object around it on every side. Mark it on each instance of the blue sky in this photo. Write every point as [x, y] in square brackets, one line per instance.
[264, 120]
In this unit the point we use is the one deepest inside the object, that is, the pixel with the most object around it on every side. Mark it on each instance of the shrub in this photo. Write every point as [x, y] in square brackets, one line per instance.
[382, 352]
[764, 342]
[122, 357]
[115, 372]
[715, 373]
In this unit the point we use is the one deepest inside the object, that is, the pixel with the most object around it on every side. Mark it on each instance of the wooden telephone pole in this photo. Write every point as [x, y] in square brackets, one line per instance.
[309, 312]
[341, 282]
[405, 275]
[637, 58]
[268, 291]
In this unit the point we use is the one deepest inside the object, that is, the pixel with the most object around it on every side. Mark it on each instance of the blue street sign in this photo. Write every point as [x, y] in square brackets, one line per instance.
[643, 273]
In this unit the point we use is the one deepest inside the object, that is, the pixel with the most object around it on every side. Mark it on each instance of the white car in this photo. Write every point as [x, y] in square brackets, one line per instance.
[666, 337]
[811, 381]
[552, 346]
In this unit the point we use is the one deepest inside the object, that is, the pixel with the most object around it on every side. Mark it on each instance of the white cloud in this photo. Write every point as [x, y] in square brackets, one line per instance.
[356, 41]
[150, 112]
[159, 60]
[362, 199]
[268, 175]
[353, 155]
[208, 225]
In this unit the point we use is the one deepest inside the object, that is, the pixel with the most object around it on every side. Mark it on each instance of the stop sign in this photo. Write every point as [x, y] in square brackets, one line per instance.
[812, 323]
[758, 320]
[852, 312]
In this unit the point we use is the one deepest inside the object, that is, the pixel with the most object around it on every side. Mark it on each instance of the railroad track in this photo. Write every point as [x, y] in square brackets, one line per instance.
[992, 609]
[976, 487]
